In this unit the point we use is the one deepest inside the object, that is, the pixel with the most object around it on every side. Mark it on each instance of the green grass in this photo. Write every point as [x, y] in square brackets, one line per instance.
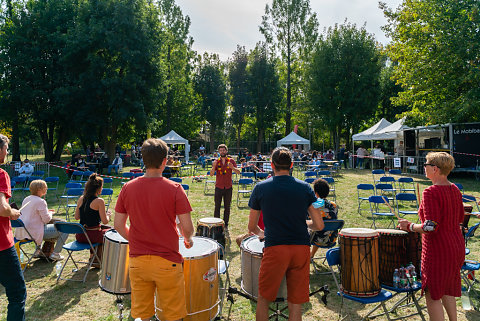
[48, 300]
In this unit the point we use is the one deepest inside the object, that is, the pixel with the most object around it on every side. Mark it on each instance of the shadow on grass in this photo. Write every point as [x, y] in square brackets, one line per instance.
[61, 297]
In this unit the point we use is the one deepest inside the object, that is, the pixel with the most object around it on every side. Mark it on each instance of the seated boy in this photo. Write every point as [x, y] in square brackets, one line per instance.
[329, 212]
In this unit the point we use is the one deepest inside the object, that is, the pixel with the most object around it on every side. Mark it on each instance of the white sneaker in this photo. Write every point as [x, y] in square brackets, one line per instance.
[56, 257]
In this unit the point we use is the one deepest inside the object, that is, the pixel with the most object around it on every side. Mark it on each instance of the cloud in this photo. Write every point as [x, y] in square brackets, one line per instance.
[219, 25]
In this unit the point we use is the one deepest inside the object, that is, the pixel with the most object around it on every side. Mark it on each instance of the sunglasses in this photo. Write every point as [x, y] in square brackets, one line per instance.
[426, 164]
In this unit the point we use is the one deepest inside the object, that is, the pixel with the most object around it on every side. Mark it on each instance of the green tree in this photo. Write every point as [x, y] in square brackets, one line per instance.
[388, 90]
[177, 111]
[344, 79]
[292, 28]
[34, 43]
[237, 76]
[436, 44]
[265, 91]
[210, 84]
[114, 57]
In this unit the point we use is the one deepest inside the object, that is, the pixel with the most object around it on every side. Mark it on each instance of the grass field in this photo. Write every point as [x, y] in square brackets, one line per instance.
[48, 300]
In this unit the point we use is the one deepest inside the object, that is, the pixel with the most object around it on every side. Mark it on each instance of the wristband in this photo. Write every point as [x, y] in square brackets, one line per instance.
[410, 227]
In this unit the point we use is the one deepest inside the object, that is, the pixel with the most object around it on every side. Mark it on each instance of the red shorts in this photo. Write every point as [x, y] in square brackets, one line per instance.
[292, 261]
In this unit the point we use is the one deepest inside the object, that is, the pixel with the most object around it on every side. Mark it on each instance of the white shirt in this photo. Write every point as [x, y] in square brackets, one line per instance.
[35, 215]
[26, 169]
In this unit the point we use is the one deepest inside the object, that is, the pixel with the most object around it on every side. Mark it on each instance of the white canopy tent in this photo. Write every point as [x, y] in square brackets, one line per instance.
[393, 131]
[173, 138]
[293, 139]
[369, 134]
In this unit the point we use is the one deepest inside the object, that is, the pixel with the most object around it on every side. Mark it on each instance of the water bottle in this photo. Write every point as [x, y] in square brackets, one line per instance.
[58, 268]
[22, 260]
[396, 279]
[409, 279]
[403, 278]
[466, 305]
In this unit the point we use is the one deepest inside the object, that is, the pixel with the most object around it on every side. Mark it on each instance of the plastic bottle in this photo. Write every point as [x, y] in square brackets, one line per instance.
[396, 279]
[409, 282]
[403, 278]
[22, 260]
[58, 268]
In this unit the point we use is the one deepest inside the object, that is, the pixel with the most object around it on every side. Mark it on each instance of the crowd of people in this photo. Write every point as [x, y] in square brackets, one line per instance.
[285, 212]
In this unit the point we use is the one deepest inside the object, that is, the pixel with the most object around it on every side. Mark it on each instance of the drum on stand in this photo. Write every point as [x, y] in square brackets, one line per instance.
[114, 277]
[414, 252]
[200, 270]
[393, 247]
[252, 253]
[359, 262]
[212, 227]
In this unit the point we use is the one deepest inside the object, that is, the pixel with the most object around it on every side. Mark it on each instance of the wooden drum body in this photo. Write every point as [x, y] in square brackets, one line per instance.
[414, 250]
[359, 262]
[252, 253]
[114, 277]
[200, 269]
[393, 251]
[212, 227]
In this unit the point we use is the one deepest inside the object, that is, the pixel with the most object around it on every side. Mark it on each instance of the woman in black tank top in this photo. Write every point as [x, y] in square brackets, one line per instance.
[91, 213]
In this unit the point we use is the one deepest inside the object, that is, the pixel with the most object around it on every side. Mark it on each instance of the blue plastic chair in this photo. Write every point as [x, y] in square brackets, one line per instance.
[52, 184]
[38, 173]
[395, 172]
[310, 180]
[333, 259]
[364, 191]
[18, 223]
[471, 199]
[247, 174]
[176, 179]
[331, 184]
[108, 180]
[262, 175]
[460, 187]
[107, 194]
[310, 174]
[377, 172]
[128, 175]
[65, 197]
[330, 225]
[323, 173]
[30, 179]
[135, 175]
[245, 187]
[379, 208]
[386, 190]
[409, 198]
[76, 228]
[186, 188]
[406, 184]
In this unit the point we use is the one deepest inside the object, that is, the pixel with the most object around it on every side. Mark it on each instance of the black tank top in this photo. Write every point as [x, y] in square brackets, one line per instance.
[88, 216]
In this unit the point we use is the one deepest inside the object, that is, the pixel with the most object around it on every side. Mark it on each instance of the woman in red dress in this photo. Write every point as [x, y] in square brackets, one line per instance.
[443, 248]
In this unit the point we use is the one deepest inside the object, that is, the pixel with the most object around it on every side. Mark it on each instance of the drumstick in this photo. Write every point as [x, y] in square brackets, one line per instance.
[418, 191]
[391, 208]
[24, 205]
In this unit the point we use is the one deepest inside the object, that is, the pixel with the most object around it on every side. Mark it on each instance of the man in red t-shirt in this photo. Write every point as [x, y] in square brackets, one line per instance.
[152, 203]
[11, 276]
[223, 168]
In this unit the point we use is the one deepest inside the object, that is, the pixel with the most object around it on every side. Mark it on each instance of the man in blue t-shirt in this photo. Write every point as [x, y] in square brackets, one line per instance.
[285, 202]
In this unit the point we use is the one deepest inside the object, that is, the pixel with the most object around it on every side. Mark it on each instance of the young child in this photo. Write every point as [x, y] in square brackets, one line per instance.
[329, 212]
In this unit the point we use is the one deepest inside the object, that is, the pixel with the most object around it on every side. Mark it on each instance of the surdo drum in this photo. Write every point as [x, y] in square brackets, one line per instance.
[359, 262]
[114, 277]
[252, 253]
[200, 268]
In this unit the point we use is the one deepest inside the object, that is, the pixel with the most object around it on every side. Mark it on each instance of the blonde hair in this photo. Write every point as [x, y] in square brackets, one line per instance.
[37, 185]
[444, 161]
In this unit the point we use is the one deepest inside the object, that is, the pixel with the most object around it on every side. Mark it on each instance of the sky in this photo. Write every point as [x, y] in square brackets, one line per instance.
[219, 25]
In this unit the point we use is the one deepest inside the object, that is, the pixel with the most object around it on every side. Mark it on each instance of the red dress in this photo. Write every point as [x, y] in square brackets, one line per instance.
[443, 250]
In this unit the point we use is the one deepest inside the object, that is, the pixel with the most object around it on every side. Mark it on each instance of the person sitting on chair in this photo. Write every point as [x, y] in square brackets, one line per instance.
[91, 212]
[37, 220]
[329, 211]
[116, 164]
[27, 169]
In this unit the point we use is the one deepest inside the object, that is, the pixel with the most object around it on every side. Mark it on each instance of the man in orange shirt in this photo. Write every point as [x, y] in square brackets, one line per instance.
[223, 168]
[152, 203]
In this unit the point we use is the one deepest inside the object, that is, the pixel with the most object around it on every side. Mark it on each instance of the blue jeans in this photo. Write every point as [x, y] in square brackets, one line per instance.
[359, 162]
[115, 167]
[11, 277]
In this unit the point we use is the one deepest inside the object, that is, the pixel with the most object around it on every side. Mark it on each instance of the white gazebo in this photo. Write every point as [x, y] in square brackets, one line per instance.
[173, 138]
[393, 131]
[293, 139]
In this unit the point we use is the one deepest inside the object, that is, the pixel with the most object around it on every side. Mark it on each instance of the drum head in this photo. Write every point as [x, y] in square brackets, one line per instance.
[253, 245]
[358, 232]
[211, 220]
[202, 247]
[114, 236]
[390, 231]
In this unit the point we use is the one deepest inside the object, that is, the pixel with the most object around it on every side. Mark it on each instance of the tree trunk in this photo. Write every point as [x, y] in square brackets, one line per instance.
[15, 139]
[212, 135]
[60, 144]
[260, 133]
[239, 130]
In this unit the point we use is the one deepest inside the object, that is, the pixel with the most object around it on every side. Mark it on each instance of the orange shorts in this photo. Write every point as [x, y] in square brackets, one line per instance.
[150, 273]
[292, 261]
